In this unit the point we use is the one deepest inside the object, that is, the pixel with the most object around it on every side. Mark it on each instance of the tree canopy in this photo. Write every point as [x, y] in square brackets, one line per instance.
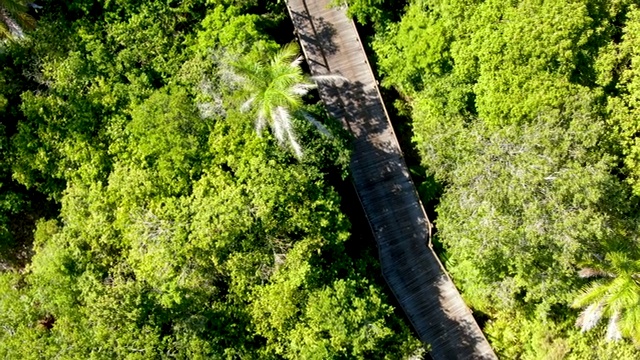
[524, 113]
[142, 216]
[155, 222]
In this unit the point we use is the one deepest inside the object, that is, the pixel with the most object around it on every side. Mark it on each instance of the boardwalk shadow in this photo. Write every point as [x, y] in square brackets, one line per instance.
[430, 300]
[318, 40]
[362, 113]
[461, 333]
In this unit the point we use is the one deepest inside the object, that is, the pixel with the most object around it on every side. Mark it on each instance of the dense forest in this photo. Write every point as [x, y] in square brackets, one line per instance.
[143, 217]
[171, 187]
[525, 116]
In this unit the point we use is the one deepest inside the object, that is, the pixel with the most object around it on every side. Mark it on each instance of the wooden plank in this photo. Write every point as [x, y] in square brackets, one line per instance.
[415, 275]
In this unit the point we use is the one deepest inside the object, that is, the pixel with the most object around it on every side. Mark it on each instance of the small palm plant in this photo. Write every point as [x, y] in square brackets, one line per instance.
[274, 89]
[615, 295]
[14, 19]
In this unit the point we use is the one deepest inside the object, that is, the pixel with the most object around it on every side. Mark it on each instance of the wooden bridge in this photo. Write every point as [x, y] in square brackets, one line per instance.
[412, 270]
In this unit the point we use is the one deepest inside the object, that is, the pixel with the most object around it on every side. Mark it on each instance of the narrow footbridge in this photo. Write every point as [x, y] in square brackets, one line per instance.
[412, 270]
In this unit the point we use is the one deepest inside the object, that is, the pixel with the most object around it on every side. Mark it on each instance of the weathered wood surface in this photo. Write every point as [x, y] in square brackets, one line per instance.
[422, 287]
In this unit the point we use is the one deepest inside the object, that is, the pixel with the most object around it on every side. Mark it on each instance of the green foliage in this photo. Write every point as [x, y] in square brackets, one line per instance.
[376, 12]
[160, 271]
[521, 336]
[229, 29]
[616, 296]
[178, 229]
[83, 76]
[346, 319]
[173, 161]
[525, 112]
[618, 70]
[532, 200]
[416, 46]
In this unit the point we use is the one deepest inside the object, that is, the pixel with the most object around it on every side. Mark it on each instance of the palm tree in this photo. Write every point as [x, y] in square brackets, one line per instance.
[615, 295]
[14, 19]
[274, 89]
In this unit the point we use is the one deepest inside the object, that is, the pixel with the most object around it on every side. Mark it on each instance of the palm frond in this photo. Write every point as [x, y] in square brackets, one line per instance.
[622, 262]
[329, 79]
[280, 121]
[593, 272]
[286, 54]
[297, 149]
[5, 32]
[613, 333]
[275, 87]
[25, 20]
[623, 293]
[323, 130]
[629, 323]
[261, 122]
[302, 89]
[14, 19]
[247, 104]
[286, 98]
[10, 24]
[296, 63]
[14, 6]
[590, 316]
[615, 295]
[590, 294]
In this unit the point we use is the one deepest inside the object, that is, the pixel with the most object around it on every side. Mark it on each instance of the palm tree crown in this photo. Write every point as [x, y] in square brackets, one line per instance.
[274, 89]
[14, 19]
[616, 295]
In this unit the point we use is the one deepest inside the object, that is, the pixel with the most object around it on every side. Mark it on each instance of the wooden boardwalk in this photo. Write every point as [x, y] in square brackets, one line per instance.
[415, 275]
